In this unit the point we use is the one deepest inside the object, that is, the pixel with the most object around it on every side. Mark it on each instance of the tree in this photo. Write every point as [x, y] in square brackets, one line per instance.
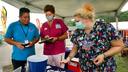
[123, 16]
[71, 23]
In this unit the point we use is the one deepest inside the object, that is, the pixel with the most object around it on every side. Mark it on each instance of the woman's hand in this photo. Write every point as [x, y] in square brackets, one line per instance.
[54, 39]
[65, 60]
[46, 37]
[99, 59]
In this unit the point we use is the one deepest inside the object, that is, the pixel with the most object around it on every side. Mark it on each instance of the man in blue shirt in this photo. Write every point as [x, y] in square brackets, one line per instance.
[22, 35]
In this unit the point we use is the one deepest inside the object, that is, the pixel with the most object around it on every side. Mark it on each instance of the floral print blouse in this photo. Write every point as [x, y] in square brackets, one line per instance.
[97, 42]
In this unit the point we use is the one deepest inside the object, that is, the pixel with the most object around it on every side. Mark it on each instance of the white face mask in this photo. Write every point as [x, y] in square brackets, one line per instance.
[50, 18]
[80, 25]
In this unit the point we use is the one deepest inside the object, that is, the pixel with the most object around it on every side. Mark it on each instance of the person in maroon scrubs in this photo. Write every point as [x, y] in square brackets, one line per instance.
[55, 32]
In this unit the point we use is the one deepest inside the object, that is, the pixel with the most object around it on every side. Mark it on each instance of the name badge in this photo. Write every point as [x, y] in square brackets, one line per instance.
[26, 41]
[58, 26]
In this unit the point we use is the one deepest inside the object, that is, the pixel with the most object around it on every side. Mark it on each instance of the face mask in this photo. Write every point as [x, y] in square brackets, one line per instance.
[50, 18]
[80, 25]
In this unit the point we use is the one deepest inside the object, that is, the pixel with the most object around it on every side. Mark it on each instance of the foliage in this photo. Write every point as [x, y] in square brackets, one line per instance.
[0, 42]
[1, 39]
[123, 16]
[71, 23]
[107, 18]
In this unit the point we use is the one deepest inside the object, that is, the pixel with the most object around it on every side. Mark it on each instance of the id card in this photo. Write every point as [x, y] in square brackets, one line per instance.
[26, 41]
[58, 26]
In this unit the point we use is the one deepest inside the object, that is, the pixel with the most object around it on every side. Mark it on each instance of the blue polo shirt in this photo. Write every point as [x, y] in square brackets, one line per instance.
[19, 32]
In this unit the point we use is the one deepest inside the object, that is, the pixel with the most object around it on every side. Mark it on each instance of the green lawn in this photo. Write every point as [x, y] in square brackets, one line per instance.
[122, 63]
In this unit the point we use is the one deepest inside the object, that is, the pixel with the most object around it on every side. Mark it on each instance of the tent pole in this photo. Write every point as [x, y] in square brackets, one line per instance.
[117, 22]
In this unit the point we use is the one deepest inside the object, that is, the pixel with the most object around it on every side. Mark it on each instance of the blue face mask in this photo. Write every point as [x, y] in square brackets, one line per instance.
[80, 25]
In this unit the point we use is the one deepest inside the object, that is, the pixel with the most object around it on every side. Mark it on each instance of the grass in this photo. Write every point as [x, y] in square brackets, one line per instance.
[122, 63]
[0, 42]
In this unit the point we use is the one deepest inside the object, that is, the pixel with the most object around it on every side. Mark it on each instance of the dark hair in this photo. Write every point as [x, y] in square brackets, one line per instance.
[23, 10]
[49, 8]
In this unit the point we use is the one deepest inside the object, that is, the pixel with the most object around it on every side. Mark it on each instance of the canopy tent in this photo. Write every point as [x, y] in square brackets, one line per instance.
[66, 8]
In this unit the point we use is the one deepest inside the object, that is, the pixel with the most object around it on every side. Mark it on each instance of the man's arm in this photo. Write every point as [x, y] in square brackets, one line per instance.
[12, 42]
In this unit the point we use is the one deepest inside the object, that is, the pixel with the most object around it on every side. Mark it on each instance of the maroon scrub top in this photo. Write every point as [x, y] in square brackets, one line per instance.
[58, 28]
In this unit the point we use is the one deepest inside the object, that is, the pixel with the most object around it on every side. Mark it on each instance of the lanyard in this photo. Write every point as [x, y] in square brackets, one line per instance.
[25, 33]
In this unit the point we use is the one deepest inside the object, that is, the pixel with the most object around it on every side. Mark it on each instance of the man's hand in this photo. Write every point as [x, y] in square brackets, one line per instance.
[30, 44]
[99, 59]
[19, 45]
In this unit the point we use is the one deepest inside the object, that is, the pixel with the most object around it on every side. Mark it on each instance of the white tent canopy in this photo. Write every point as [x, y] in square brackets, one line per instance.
[66, 8]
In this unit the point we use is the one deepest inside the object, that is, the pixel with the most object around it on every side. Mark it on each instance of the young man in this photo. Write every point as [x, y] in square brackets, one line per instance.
[22, 35]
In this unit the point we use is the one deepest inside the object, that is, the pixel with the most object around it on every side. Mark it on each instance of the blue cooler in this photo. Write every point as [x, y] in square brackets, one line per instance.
[37, 63]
